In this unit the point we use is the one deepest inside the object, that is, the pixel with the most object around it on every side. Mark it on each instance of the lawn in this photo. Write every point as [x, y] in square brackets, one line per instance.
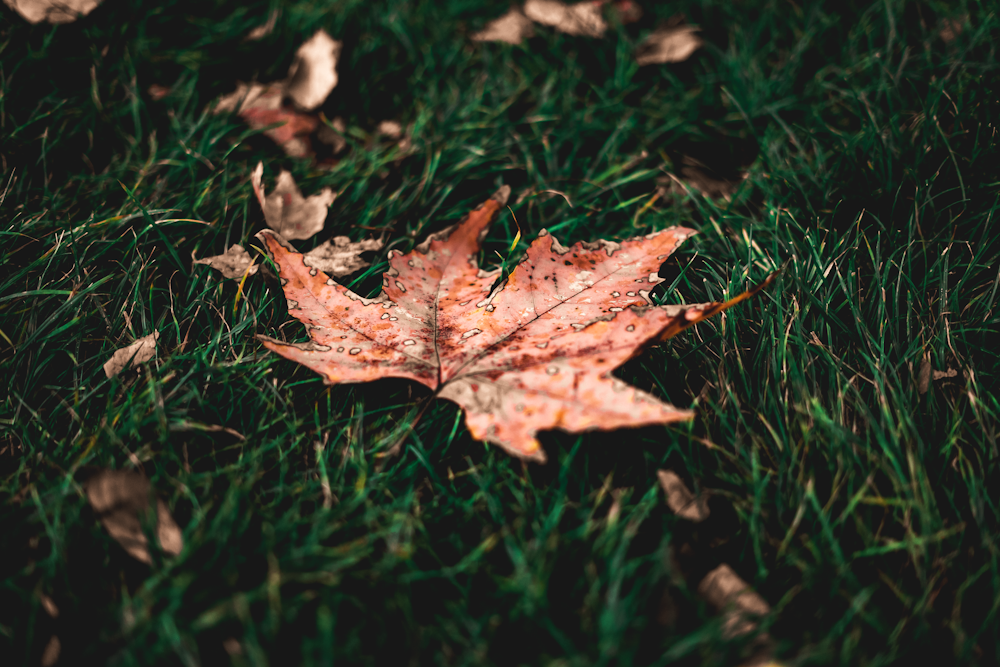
[847, 417]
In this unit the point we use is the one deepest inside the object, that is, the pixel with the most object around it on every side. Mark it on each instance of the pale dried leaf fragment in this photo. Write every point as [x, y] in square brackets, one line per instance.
[513, 28]
[924, 376]
[265, 29]
[50, 655]
[940, 375]
[286, 211]
[390, 128]
[340, 256]
[122, 501]
[53, 11]
[582, 18]
[233, 264]
[132, 355]
[313, 74]
[680, 500]
[668, 45]
[726, 591]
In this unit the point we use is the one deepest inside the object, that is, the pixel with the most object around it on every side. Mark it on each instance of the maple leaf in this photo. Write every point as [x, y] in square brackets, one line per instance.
[535, 353]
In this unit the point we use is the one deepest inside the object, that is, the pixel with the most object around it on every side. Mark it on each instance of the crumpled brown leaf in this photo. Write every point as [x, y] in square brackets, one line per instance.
[286, 211]
[53, 11]
[680, 500]
[513, 28]
[234, 263]
[132, 355]
[581, 18]
[121, 499]
[669, 45]
[311, 78]
[725, 590]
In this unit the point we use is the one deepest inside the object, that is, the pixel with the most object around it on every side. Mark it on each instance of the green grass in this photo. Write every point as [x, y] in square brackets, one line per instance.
[865, 512]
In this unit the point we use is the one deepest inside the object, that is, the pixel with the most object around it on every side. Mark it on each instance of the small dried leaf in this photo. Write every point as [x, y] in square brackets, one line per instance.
[680, 500]
[286, 211]
[233, 264]
[390, 128]
[693, 174]
[121, 500]
[924, 376]
[940, 375]
[313, 74]
[50, 655]
[669, 45]
[725, 590]
[132, 355]
[513, 27]
[260, 105]
[340, 256]
[53, 11]
[582, 18]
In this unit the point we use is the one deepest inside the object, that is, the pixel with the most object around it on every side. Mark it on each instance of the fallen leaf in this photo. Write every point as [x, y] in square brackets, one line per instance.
[286, 211]
[390, 128]
[311, 78]
[924, 376]
[53, 11]
[692, 173]
[313, 74]
[50, 655]
[582, 18]
[340, 256]
[535, 353]
[233, 264]
[680, 500]
[122, 499]
[513, 28]
[260, 105]
[950, 28]
[132, 355]
[668, 45]
[950, 373]
[726, 591]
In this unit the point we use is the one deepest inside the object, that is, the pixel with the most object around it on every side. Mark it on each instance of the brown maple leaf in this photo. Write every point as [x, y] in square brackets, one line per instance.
[535, 353]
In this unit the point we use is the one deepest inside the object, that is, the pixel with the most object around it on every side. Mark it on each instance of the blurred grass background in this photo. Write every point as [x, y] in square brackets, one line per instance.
[864, 510]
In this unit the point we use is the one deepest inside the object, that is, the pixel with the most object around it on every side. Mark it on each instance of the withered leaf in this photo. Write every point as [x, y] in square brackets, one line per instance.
[264, 29]
[581, 18]
[513, 28]
[313, 74]
[53, 11]
[726, 591]
[122, 501]
[233, 264]
[261, 105]
[680, 500]
[311, 78]
[132, 355]
[668, 45]
[535, 353]
[286, 211]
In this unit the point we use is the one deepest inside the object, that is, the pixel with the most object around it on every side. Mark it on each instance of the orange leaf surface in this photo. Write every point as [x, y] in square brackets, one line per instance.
[534, 354]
